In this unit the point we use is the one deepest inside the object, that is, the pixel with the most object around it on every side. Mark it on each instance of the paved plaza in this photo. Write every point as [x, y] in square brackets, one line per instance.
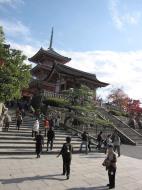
[25, 172]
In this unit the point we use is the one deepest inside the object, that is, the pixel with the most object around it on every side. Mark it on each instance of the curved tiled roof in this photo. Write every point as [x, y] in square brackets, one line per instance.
[63, 69]
[49, 53]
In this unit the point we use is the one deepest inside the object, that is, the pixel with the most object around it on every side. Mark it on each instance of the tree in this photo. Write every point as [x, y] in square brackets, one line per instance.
[80, 96]
[134, 106]
[119, 98]
[14, 73]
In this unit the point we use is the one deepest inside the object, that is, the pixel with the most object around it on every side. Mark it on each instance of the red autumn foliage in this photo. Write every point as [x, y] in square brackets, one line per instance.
[119, 98]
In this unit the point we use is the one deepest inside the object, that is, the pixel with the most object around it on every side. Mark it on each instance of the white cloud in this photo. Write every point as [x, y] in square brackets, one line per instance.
[119, 69]
[27, 50]
[125, 18]
[11, 3]
[15, 29]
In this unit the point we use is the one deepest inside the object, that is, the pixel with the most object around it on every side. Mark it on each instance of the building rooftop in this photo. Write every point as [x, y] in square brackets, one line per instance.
[64, 69]
[49, 53]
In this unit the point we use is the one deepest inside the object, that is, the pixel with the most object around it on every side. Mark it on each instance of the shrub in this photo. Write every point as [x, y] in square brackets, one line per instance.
[56, 102]
[118, 113]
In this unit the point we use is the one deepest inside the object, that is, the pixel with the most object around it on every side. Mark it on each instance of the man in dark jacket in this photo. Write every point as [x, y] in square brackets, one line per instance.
[50, 138]
[39, 143]
[84, 141]
[99, 140]
[66, 153]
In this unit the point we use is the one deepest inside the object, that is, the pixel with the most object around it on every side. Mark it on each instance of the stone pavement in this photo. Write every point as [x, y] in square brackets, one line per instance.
[87, 173]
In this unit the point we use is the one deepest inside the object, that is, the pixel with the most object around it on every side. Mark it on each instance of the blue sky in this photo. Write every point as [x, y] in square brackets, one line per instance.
[101, 36]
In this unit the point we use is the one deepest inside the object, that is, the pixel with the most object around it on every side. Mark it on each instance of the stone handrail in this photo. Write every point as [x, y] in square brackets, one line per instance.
[80, 132]
[52, 94]
[115, 126]
[117, 121]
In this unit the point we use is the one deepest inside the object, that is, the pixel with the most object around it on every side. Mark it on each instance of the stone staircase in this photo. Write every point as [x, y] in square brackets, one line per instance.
[131, 136]
[21, 142]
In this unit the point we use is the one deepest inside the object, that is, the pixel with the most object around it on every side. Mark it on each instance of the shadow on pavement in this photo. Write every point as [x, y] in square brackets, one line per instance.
[90, 188]
[94, 155]
[22, 179]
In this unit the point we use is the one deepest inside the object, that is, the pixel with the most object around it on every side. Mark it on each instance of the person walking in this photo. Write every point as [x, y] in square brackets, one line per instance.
[84, 141]
[1, 122]
[46, 126]
[99, 140]
[107, 142]
[35, 128]
[110, 164]
[6, 121]
[39, 143]
[50, 138]
[66, 153]
[57, 122]
[19, 121]
[116, 143]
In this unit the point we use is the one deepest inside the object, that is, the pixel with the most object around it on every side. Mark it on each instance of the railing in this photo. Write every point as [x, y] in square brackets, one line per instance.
[52, 94]
[79, 132]
[119, 125]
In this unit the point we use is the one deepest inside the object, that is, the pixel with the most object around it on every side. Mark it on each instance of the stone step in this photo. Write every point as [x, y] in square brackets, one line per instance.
[32, 142]
[21, 142]
[31, 151]
[30, 130]
[30, 146]
[30, 138]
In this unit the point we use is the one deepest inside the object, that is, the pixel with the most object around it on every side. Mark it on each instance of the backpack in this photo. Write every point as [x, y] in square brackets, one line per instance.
[19, 118]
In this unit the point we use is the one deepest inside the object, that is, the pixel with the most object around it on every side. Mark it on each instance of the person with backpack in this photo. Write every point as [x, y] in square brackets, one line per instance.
[50, 138]
[19, 121]
[66, 153]
[39, 143]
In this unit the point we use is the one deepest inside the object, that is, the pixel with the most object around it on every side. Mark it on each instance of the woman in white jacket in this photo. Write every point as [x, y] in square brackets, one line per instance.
[35, 128]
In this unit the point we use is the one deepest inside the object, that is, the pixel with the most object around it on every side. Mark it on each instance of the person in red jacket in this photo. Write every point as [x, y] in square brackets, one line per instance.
[46, 126]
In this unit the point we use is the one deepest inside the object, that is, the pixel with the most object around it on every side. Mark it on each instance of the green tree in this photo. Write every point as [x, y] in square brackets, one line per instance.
[14, 73]
[80, 96]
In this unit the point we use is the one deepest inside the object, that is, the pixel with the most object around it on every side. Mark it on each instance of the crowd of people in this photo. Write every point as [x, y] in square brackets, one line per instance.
[110, 144]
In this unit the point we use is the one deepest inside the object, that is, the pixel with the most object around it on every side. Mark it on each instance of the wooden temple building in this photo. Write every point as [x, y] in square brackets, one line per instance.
[51, 74]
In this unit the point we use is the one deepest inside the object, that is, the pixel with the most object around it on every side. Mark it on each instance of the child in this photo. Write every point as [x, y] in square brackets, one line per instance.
[110, 164]
[66, 153]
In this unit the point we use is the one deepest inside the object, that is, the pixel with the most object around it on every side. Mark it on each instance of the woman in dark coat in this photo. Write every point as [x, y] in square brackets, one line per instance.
[39, 143]
[110, 164]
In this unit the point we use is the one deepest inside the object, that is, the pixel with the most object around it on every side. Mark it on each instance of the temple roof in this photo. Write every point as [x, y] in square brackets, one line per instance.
[49, 53]
[64, 69]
